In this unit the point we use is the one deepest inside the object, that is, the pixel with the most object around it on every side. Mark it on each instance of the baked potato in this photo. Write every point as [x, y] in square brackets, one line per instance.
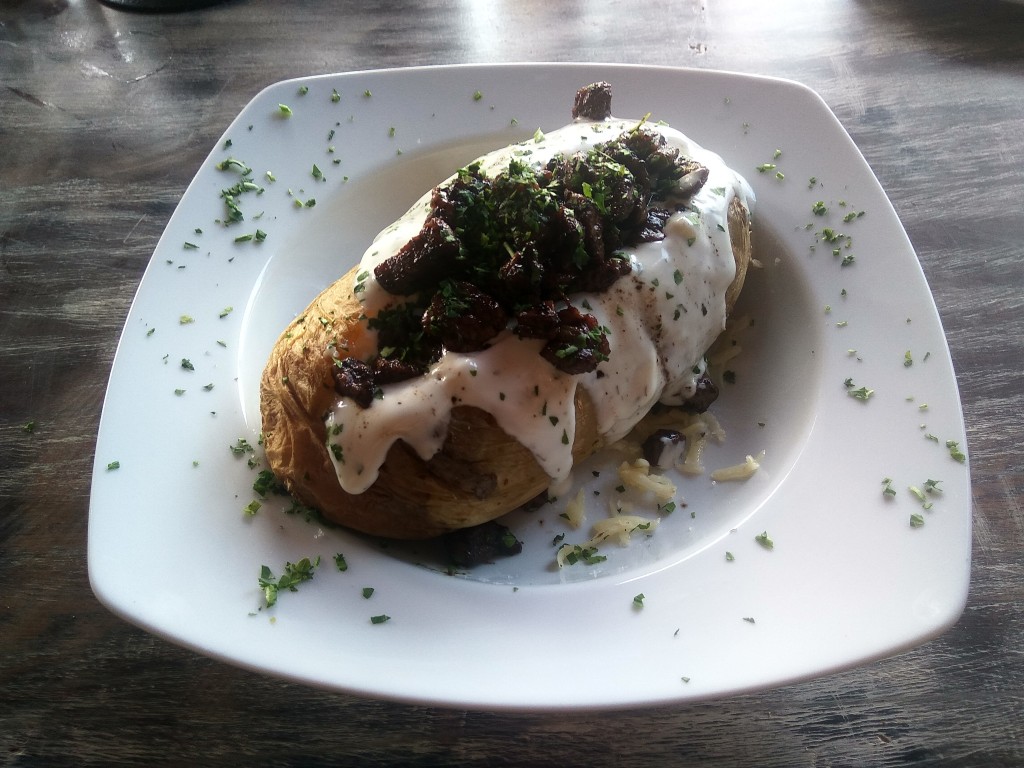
[556, 290]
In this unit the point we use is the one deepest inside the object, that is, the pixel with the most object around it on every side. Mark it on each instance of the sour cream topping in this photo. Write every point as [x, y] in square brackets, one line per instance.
[661, 318]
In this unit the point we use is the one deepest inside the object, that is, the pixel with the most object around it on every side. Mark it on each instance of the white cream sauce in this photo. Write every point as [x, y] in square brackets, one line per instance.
[662, 318]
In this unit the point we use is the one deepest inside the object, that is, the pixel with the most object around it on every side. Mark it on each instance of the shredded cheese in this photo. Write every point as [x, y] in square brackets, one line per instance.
[739, 471]
[575, 510]
[638, 476]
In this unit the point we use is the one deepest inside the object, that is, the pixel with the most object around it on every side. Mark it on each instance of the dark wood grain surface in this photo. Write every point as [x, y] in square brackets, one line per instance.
[106, 115]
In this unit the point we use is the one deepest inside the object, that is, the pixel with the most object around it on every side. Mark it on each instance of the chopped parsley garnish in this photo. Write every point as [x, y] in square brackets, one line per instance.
[765, 540]
[578, 554]
[862, 393]
[267, 482]
[367, 593]
[187, 364]
[916, 520]
[113, 465]
[638, 600]
[382, 617]
[955, 452]
[819, 208]
[234, 163]
[294, 574]
[29, 427]
[340, 563]
[241, 447]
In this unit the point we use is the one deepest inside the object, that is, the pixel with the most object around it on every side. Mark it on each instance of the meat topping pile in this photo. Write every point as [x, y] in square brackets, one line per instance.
[506, 252]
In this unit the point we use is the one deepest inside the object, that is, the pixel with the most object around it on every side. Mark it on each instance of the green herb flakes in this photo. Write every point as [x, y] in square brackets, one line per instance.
[284, 110]
[916, 520]
[294, 574]
[241, 447]
[187, 364]
[954, 451]
[367, 593]
[638, 600]
[382, 618]
[113, 465]
[340, 563]
[765, 540]
[266, 482]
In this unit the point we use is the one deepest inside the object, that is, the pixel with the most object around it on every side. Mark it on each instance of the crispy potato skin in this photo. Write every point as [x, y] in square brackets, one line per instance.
[482, 472]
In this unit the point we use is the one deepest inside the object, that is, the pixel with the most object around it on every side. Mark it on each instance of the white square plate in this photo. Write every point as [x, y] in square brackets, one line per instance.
[849, 579]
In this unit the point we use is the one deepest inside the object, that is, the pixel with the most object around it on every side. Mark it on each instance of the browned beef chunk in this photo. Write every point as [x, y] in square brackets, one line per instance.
[388, 370]
[600, 277]
[354, 378]
[593, 102]
[706, 394]
[481, 544]
[537, 322]
[463, 317]
[653, 228]
[423, 261]
[578, 345]
[664, 447]
[521, 276]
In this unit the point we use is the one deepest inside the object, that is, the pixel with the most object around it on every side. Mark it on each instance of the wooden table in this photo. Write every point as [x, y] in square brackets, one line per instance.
[106, 115]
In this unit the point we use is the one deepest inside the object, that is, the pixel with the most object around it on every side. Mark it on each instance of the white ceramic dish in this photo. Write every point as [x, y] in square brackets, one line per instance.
[848, 580]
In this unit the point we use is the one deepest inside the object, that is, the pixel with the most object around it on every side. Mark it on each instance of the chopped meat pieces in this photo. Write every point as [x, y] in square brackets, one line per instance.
[424, 260]
[578, 345]
[537, 322]
[504, 251]
[354, 378]
[705, 394]
[464, 317]
[481, 544]
[593, 102]
[664, 447]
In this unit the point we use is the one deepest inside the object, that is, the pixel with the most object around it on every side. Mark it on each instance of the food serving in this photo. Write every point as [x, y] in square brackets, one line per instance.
[525, 313]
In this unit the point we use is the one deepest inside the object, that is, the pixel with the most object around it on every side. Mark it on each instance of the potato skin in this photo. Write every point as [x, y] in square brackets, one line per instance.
[481, 472]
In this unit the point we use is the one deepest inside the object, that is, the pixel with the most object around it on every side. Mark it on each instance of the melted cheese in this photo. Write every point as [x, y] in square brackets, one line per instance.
[662, 317]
